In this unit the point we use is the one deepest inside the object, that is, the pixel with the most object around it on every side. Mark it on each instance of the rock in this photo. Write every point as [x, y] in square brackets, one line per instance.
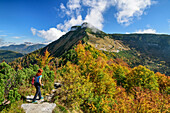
[5, 102]
[54, 90]
[49, 97]
[57, 85]
[39, 108]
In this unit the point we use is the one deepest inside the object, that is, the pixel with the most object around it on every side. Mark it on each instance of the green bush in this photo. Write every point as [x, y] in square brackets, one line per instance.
[141, 77]
[14, 95]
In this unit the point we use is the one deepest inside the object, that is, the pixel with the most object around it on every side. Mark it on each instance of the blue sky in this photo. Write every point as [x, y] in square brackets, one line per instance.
[41, 21]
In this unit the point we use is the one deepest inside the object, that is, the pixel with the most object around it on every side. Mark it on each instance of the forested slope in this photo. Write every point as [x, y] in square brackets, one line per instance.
[9, 56]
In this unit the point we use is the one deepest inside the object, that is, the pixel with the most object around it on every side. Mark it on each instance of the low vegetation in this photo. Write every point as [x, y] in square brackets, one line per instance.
[92, 81]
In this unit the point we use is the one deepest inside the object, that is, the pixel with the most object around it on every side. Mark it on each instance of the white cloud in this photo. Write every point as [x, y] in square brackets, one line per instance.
[97, 20]
[64, 11]
[3, 35]
[95, 14]
[152, 31]
[168, 20]
[128, 9]
[55, 33]
[1, 41]
[33, 30]
[73, 4]
[51, 34]
[67, 24]
[72, 8]
[94, 10]
[169, 23]
[62, 6]
[16, 37]
[147, 31]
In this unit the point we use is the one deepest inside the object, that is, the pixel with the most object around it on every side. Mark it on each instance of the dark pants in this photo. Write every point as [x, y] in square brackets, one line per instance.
[38, 92]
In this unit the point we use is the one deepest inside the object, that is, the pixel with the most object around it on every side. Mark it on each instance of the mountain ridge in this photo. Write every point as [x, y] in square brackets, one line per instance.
[135, 49]
[150, 50]
[83, 33]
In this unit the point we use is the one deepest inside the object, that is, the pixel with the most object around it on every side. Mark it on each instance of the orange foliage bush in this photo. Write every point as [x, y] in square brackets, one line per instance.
[163, 81]
[90, 85]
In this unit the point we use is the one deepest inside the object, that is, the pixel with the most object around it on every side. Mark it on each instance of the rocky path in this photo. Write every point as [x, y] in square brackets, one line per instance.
[44, 107]
[40, 106]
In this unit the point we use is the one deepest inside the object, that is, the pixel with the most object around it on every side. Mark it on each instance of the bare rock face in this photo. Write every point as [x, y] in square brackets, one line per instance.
[39, 108]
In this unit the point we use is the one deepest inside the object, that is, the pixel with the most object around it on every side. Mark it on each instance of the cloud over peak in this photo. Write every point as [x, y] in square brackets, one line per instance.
[126, 10]
[93, 10]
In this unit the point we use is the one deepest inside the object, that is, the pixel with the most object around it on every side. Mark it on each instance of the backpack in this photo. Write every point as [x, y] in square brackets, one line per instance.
[34, 80]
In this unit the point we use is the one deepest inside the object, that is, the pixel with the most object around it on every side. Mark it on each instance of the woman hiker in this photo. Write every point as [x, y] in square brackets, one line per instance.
[37, 84]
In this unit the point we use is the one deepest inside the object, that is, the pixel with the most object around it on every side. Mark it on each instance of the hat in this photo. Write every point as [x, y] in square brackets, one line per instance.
[40, 70]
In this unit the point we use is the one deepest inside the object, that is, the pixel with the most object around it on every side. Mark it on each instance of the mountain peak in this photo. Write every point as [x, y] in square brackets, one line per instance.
[90, 26]
[86, 26]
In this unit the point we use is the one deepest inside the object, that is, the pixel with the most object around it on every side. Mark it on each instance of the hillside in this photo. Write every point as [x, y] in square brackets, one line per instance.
[150, 50]
[94, 83]
[99, 72]
[87, 34]
[9, 56]
[23, 48]
[153, 45]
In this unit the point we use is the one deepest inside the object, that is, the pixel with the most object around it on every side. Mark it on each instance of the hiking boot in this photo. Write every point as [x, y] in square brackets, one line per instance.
[41, 98]
[34, 101]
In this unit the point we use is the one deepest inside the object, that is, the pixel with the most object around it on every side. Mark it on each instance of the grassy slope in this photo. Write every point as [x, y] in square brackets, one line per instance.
[150, 50]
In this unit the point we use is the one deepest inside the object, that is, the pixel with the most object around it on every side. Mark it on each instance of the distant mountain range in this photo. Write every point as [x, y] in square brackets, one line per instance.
[23, 48]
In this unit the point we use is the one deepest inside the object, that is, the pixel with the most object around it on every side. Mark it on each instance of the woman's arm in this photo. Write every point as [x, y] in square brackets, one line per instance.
[40, 81]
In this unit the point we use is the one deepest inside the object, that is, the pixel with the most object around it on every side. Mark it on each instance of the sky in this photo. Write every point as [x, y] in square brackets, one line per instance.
[43, 21]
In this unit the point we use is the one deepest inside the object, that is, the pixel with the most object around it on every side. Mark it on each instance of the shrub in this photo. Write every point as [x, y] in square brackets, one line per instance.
[163, 81]
[141, 77]
[14, 95]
